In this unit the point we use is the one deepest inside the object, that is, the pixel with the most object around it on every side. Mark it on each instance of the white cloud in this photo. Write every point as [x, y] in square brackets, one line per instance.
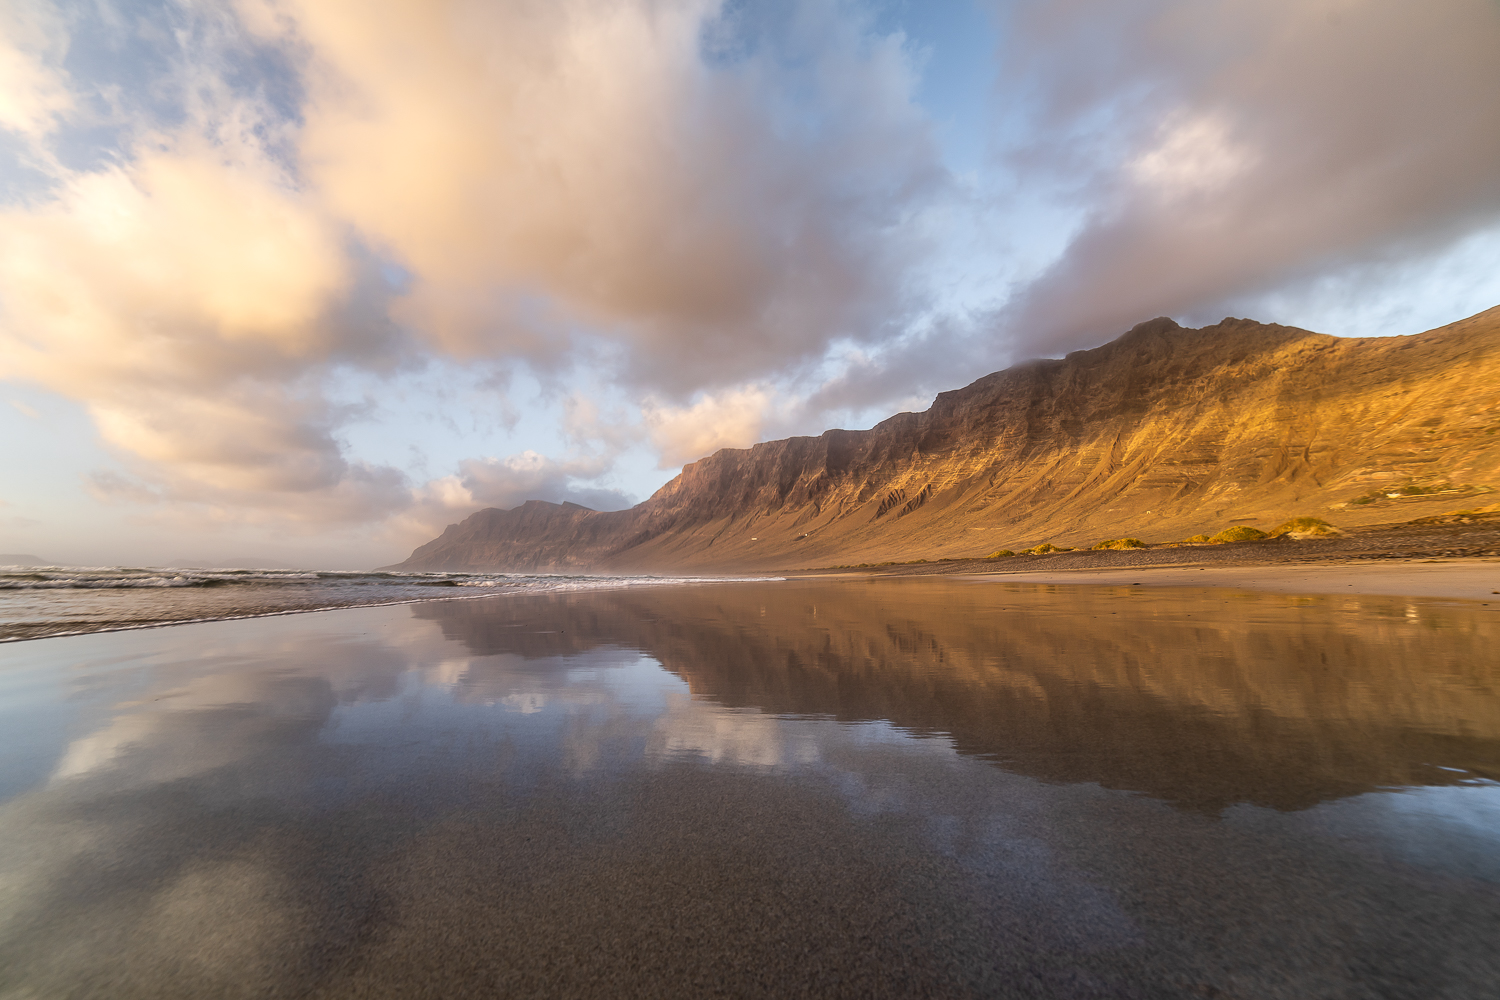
[730, 419]
[33, 87]
[540, 165]
[532, 476]
[182, 297]
[1195, 156]
[566, 186]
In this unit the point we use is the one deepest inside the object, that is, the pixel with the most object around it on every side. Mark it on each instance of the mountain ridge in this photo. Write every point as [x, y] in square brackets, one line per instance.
[1164, 432]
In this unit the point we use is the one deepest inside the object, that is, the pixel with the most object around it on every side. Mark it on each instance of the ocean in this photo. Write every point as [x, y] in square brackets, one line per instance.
[39, 601]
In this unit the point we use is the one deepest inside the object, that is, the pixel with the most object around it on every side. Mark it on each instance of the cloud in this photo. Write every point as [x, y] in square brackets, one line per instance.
[505, 483]
[532, 476]
[671, 195]
[730, 419]
[589, 426]
[362, 493]
[183, 299]
[1194, 155]
[1216, 152]
[541, 166]
[33, 87]
[108, 486]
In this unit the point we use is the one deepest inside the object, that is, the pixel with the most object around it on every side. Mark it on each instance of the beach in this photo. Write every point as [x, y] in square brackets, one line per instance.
[709, 499]
[1444, 556]
[1467, 579]
[849, 787]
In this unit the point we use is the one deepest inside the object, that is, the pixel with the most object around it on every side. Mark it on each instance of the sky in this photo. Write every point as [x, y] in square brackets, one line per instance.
[300, 282]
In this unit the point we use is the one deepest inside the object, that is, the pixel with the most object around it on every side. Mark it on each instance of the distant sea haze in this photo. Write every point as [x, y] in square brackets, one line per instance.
[39, 600]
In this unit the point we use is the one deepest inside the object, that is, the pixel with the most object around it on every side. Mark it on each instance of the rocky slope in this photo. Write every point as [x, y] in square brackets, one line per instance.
[1162, 434]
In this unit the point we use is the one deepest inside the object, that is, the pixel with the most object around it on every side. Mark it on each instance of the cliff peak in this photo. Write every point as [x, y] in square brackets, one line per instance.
[1163, 433]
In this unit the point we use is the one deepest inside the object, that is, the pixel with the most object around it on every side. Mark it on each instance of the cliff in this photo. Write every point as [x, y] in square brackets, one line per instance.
[1161, 434]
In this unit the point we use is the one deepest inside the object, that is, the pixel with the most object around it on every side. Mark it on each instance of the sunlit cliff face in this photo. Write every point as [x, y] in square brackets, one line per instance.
[332, 264]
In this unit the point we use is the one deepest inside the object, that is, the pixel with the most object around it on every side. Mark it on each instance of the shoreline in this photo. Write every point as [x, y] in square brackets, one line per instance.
[1450, 557]
[15, 629]
[1462, 579]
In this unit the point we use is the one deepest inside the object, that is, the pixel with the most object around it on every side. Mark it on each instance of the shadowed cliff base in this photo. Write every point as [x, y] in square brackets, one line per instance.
[1164, 434]
[1201, 699]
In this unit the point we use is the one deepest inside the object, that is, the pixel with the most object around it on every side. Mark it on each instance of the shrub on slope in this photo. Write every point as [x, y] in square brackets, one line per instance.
[1120, 543]
[1238, 533]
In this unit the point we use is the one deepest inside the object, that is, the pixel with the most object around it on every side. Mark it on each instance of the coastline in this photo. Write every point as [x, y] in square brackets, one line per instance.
[1448, 557]
[1464, 579]
[1454, 556]
[96, 603]
[1461, 579]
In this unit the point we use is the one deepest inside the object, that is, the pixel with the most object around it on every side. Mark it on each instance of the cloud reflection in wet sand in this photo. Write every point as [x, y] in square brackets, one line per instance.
[668, 792]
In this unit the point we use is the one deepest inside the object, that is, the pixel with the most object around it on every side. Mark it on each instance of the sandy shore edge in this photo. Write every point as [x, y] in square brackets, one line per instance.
[1467, 579]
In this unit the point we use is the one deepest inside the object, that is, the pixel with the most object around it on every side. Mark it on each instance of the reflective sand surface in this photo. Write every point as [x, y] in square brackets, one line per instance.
[899, 788]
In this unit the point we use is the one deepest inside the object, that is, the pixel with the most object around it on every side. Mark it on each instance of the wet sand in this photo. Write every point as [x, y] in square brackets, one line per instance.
[849, 788]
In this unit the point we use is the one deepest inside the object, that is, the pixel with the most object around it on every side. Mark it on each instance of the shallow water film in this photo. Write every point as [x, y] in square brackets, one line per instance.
[892, 788]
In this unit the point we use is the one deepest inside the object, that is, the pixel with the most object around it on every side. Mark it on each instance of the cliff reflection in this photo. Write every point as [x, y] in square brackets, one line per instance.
[1203, 699]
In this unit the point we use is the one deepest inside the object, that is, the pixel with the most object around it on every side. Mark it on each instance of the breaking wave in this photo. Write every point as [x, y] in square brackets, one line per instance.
[39, 601]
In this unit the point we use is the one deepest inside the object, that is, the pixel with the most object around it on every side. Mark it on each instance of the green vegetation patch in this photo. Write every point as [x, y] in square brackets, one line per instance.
[1305, 527]
[1000, 554]
[1411, 489]
[1120, 543]
[1238, 533]
[1197, 540]
[1043, 549]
